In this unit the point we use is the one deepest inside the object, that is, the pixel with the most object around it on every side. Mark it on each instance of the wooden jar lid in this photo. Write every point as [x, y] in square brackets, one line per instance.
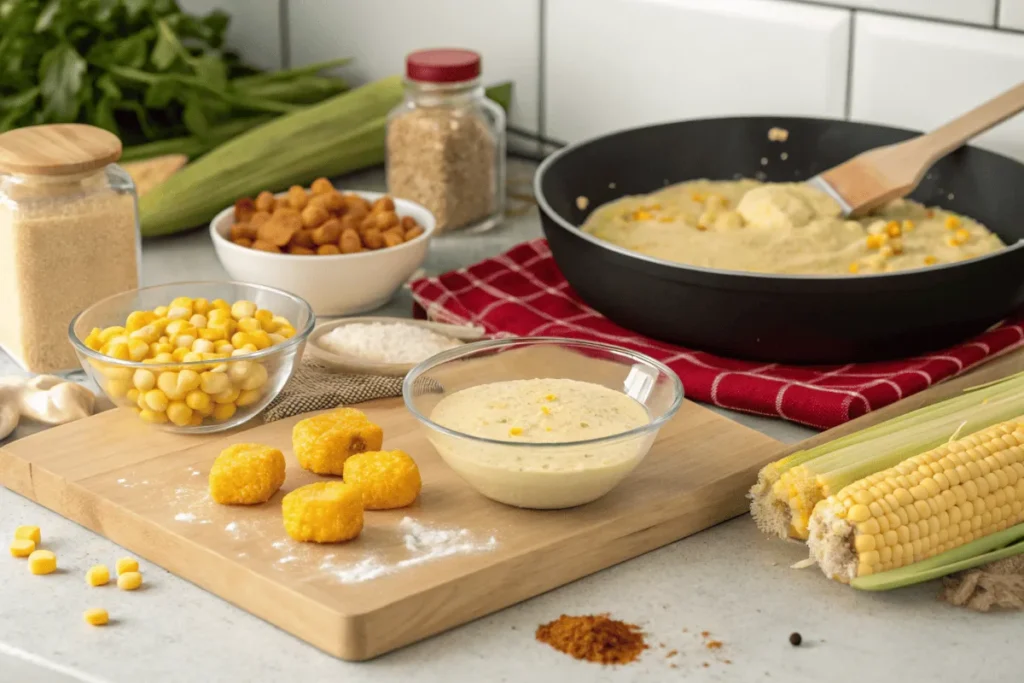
[57, 149]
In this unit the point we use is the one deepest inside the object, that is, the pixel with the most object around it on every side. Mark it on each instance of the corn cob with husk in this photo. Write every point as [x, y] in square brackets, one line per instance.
[787, 491]
[932, 506]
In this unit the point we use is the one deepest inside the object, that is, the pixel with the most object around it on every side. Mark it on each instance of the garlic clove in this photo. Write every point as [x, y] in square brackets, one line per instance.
[9, 413]
[60, 403]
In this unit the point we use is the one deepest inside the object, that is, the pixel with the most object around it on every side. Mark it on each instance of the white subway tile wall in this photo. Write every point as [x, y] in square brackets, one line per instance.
[1011, 14]
[611, 64]
[919, 74]
[379, 33]
[254, 31]
[973, 11]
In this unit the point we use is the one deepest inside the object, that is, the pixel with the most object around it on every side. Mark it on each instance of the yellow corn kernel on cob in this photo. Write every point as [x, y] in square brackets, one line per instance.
[325, 512]
[97, 616]
[42, 562]
[129, 581]
[387, 479]
[323, 442]
[30, 533]
[925, 505]
[246, 474]
[97, 575]
[22, 547]
[126, 564]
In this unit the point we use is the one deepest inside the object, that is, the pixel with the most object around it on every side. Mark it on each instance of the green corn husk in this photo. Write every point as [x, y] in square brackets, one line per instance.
[339, 135]
[997, 546]
[787, 490]
[342, 134]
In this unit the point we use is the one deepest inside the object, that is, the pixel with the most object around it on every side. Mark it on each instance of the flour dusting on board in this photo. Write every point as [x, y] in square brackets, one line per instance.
[426, 544]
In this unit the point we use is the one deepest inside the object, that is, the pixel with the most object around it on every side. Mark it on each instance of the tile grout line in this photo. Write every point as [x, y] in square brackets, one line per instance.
[283, 34]
[542, 31]
[945, 21]
[848, 104]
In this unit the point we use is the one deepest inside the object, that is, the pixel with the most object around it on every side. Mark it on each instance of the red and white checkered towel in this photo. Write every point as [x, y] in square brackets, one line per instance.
[522, 293]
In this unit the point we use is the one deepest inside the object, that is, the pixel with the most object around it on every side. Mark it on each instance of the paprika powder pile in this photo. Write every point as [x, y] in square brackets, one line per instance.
[595, 638]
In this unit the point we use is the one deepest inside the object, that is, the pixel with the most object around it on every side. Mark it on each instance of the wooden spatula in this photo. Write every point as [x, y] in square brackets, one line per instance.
[880, 175]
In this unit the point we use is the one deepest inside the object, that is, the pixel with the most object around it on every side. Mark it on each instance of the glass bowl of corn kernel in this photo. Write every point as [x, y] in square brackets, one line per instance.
[193, 357]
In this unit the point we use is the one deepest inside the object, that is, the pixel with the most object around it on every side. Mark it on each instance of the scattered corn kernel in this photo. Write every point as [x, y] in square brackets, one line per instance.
[22, 547]
[876, 241]
[962, 235]
[930, 260]
[952, 222]
[42, 562]
[386, 479]
[908, 225]
[854, 268]
[30, 533]
[322, 443]
[246, 474]
[97, 616]
[515, 431]
[550, 397]
[952, 241]
[324, 512]
[641, 215]
[129, 581]
[126, 564]
[97, 575]
[892, 228]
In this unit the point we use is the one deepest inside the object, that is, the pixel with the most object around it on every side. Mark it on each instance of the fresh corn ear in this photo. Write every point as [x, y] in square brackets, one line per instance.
[787, 491]
[926, 505]
[341, 134]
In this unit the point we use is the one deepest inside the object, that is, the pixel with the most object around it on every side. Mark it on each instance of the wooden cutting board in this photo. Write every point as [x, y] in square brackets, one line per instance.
[145, 489]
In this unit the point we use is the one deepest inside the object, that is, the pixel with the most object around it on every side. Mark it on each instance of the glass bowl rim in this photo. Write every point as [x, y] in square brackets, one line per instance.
[299, 337]
[453, 354]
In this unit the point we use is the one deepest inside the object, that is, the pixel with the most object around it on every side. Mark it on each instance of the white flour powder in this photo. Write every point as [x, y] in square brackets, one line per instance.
[387, 342]
[426, 545]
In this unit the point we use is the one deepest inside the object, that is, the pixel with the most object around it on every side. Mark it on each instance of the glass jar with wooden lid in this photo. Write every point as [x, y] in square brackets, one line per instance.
[69, 236]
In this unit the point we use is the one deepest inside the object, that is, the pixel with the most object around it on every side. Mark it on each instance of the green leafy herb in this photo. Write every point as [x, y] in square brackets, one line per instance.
[144, 69]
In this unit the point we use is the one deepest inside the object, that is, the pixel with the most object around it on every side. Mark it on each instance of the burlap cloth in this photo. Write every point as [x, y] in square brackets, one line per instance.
[999, 584]
[314, 387]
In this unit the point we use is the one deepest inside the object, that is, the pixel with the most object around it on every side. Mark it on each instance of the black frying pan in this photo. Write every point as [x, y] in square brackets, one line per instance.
[784, 318]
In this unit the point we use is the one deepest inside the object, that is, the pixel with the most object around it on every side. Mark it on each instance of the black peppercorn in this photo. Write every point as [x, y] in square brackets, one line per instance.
[795, 639]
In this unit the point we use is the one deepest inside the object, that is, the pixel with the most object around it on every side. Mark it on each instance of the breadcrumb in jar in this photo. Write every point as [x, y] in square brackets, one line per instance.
[66, 241]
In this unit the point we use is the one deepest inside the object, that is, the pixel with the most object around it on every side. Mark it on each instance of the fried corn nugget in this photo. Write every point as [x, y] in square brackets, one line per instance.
[323, 442]
[246, 474]
[324, 512]
[386, 479]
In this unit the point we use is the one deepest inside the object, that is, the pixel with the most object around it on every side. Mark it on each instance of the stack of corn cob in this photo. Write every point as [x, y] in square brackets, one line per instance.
[932, 492]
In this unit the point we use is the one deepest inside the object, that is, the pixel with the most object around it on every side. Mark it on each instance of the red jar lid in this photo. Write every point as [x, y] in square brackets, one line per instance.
[442, 65]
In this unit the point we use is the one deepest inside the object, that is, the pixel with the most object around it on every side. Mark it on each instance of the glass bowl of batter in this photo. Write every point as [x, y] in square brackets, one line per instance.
[542, 422]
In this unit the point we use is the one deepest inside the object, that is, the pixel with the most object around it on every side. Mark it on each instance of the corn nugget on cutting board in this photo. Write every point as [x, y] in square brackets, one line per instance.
[146, 489]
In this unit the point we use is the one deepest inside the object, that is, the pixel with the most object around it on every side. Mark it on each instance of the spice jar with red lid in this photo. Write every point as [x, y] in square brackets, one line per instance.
[446, 142]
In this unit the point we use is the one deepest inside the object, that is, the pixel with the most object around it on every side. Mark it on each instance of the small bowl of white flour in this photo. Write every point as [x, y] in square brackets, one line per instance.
[384, 346]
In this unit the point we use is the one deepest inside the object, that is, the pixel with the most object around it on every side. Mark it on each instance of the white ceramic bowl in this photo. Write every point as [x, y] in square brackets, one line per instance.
[342, 284]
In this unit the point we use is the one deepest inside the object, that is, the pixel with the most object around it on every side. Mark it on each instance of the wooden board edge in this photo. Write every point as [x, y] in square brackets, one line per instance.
[495, 588]
[308, 620]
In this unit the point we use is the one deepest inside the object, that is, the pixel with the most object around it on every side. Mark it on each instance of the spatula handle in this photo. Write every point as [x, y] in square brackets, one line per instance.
[948, 137]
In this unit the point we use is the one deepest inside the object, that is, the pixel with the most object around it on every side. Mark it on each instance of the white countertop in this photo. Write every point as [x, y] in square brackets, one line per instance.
[728, 580]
